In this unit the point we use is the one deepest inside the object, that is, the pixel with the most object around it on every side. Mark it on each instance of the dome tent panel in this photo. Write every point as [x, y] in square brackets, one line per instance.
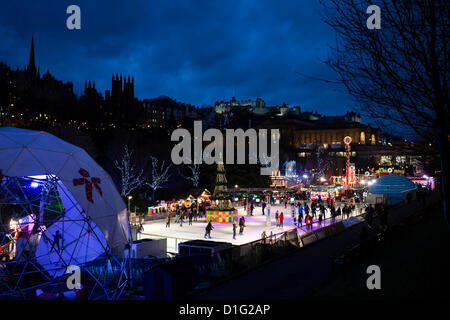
[52, 161]
[8, 155]
[95, 192]
[46, 143]
[20, 137]
[24, 164]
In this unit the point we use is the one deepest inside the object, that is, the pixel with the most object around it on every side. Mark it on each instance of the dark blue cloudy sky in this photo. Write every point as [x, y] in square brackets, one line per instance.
[194, 51]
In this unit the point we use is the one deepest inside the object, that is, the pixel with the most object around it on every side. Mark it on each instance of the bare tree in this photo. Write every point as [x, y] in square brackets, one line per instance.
[194, 175]
[130, 179]
[399, 73]
[160, 175]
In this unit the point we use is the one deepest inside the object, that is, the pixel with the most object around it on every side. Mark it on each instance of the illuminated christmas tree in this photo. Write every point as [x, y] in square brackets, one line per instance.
[221, 180]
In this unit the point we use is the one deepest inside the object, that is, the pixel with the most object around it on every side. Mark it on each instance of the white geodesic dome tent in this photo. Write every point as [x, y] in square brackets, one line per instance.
[93, 218]
[393, 186]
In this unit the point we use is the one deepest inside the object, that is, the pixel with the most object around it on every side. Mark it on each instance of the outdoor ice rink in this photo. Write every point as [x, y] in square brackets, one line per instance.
[254, 226]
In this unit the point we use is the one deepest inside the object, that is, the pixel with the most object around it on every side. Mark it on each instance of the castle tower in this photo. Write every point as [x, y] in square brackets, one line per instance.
[128, 88]
[116, 87]
[32, 63]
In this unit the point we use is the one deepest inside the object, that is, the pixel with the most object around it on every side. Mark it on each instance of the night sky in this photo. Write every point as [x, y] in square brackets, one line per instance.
[193, 51]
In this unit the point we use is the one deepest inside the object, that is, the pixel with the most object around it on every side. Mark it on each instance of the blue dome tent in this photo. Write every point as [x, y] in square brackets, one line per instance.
[394, 186]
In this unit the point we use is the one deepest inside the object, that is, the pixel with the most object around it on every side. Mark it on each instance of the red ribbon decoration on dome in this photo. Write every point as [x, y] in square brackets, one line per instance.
[88, 183]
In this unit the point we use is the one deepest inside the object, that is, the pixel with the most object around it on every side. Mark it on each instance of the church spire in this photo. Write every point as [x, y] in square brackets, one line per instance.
[31, 64]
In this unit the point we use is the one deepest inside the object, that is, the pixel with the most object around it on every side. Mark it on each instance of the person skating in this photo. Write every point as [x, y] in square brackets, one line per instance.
[322, 210]
[338, 211]
[333, 213]
[300, 217]
[251, 208]
[263, 206]
[281, 219]
[140, 228]
[195, 213]
[306, 209]
[208, 229]
[311, 221]
[345, 211]
[300, 210]
[190, 218]
[234, 229]
[308, 222]
[168, 221]
[181, 219]
[277, 218]
[241, 226]
[320, 219]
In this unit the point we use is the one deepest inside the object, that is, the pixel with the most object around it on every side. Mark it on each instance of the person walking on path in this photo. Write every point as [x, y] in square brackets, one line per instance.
[168, 221]
[241, 226]
[384, 217]
[281, 219]
[369, 215]
[264, 236]
[234, 229]
[208, 229]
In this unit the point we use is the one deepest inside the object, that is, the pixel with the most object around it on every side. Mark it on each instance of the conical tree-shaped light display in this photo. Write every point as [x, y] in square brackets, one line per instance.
[221, 180]
[222, 210]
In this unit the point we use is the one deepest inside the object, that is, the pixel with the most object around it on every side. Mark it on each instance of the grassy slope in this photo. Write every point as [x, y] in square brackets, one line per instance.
[414, 263]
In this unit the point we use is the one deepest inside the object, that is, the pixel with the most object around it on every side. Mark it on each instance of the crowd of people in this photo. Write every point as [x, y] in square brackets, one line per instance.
[305, 213]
